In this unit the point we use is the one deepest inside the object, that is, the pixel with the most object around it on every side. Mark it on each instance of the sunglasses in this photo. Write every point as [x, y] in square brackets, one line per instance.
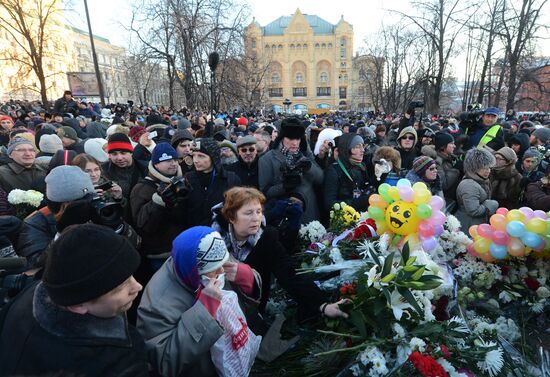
[408, 138]
[248, 150]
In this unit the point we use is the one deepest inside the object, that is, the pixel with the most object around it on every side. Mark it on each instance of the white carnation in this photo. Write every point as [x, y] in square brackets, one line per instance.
[16, 196]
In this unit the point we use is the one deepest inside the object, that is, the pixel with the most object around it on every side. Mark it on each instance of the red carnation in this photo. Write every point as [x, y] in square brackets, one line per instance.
[446, 353]
[531, 283]
[426, 365]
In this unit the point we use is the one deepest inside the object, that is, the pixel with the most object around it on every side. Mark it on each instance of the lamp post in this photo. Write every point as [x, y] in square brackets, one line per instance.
[213, 60]
[94, 56]
[287, 102]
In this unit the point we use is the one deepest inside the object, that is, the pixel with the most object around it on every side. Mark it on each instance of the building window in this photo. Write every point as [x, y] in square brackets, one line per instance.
[267, 47]
[323, 45]
[343, 92]
[275, 92]
[292, 46]
[280, 47]
[323, 91]
[275, 78]
[323, 77]
[304, 46]
[299, 77]
[330, 45]
[342, 48]
[299, 92]
[316, 45]
[273, 47]
[253, 43]
[298, 46]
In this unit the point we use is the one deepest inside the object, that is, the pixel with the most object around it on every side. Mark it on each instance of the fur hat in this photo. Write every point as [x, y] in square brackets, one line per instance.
[50, 144]
[389, 154]
[86, 262]
[477, 159]
[292, 128]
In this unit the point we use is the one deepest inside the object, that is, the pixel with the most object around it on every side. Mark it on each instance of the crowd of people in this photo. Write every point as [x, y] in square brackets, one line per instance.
[151, 216]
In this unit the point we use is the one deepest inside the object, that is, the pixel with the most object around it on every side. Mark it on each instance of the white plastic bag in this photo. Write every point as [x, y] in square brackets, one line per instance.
[234, 352]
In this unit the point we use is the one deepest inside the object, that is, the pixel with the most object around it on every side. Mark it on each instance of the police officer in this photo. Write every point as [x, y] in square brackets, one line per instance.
[486, 132]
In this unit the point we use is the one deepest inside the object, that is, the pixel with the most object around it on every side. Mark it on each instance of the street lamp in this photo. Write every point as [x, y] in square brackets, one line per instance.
[213, 60]
[287, 102]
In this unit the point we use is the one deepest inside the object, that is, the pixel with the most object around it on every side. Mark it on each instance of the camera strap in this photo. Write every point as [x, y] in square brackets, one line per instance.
[343, 167]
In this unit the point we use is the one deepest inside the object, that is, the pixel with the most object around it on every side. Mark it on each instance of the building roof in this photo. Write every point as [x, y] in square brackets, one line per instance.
[318, 25]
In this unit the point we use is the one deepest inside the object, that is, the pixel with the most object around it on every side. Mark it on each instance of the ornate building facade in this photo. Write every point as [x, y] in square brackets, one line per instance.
[308, 61]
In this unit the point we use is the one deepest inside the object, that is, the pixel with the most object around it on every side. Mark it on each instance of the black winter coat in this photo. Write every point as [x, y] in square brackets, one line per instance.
[39, 338]
[247, 174]
[37, 232]
[338, 187]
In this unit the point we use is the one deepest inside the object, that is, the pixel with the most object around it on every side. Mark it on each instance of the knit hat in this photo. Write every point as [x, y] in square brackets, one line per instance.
[421, 164]
[28, 136]
[228, 144]
[86, 262]
[6, 117]
[163, 152]
[179, 136]
[196, 251]
[50, 143]
[208, 146]
[246, 140]
[477, 159]
[442, 139]
[16, 141]
[408, 130]
[67, 132]
[67, 183]
[117, 129]
[94, 147]
[219, 122]
[355, 141]
[136, 132]
[543, 134]
[183, 124]
[62, 157]
[508, 154]
[292, 128]
[532, 153]
[242, 121]
[119, 142]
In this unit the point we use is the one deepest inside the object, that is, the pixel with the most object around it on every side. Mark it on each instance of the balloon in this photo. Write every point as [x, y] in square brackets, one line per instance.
[381, 227]
[502, 211]
[383, 188]
[438, 229]
[485, 231]
[487, 257]
[471, 250]
[473, 231]
[498, 222]
[516, 247]
[500, 238]
[376, 213]
[498, 251]
[406, 194]
[531, 240]
[482, 245]
[402, 183]
[401, 218]
[386, 196]
[424, 211]
[540, 214]
[438, 218]
[425, 229]
[429, 244]
[541, 247]
[420, 186]
[393, 192]
[422, 196]
[437, 203]
[377, 201]
[536, 225]
[515, 215]
[515, 228]
[528, 212]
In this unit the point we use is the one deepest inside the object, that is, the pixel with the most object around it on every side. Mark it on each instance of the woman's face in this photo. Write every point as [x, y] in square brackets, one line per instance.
[93, 171]
[431, 173]
[357, 153]
[501, 161]
[202, 161]
[248, 219]
[529, 164]
[484, 172]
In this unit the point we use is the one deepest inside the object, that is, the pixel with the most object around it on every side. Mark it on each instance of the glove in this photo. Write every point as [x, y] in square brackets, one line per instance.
[169, 197]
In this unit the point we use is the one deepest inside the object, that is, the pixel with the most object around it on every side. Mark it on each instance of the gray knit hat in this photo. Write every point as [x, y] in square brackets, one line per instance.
[67, 183]
[17, 141]
[477, 159]
[543, 134]
[183, 123]
[50, 143]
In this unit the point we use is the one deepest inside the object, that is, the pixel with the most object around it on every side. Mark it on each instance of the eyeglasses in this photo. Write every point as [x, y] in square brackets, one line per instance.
[408, 138]
[432, 168]
[248, 150]
[24, 150]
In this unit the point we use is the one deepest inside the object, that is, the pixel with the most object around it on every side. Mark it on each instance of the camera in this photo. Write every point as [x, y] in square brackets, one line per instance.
[292, 171]
[103, 213]
[179, 186]
[471, 116]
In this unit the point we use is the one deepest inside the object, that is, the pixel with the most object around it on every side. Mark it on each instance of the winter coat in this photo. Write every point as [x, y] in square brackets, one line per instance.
[96, 130]
[537, 196]
[62, 106]
[271, 181]
[207, 191]
[247, 174]
[40, 338]
[338, 187]
[75, 125]
[505, 186]
[36, 234]
[433, 186]
[447, 171]
[156, 224]
[476, 133]
[474, 201]
[15, 176]
[178, 329]
[126, 178]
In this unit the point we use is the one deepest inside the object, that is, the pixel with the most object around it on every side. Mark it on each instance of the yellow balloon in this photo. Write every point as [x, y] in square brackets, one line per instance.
[419, 186]
[401, 218]
[515, 215]
[482, 245]
[393, 192]
[536, 225]
[422, 197]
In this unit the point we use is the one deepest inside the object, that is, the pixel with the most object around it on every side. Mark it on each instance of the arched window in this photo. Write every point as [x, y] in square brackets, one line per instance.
[275, 78]
[299, 77]
[267, 47]
[323, 45]
[298, 46]
[304, 46]
[323, 77]
[280, 47]
[316, 45]
[330, 45]
[273, 47]
[292, 46]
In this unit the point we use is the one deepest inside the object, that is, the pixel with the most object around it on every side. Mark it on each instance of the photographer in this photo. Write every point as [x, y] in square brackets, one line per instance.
[482, 131]
[289, 170]
[346, 179]
[156, 203]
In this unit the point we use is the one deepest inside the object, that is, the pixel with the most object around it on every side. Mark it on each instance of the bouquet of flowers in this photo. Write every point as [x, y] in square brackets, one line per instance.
[25, 202]
[342, 216]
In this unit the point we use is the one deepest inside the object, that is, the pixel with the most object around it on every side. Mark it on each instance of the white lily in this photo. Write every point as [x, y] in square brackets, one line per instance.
[398, 305]
[373, 276]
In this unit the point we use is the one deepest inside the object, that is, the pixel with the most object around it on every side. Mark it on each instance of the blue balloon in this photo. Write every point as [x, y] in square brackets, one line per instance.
[531, 240]
[498, 251]
[515, 228]
[403, 183]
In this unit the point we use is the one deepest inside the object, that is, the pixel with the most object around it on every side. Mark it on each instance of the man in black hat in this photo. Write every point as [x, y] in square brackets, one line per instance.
[246, 167]
[66, 104]
[74, 319]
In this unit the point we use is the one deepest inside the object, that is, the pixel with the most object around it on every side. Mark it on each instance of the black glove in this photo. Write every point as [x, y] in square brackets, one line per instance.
[168, 196]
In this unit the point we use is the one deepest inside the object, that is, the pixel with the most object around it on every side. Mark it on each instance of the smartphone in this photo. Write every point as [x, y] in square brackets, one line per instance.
[152, 135]
[105, 186]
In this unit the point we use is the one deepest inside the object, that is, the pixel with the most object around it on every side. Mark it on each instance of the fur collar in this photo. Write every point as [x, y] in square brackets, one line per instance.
[76, 327]
[158, 176]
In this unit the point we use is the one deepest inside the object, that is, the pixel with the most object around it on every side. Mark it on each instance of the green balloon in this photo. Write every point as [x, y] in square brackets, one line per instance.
[423, 211]
[376, 213]
[387, 198]
[383, 189]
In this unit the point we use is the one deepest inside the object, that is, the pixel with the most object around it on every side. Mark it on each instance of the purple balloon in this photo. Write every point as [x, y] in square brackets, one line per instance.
[528, 212]
[437, 203]
[540, 214]
[438, 229]
[438, 218]
[406, 194]
[429, 244]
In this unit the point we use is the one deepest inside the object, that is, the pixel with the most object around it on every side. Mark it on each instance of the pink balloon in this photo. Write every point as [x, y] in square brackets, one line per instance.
[540, 214]
[438, 229]
[406, 194]
[425, 229]
[542, 246]
[438, 218]
[500, 237]
[528, 212]
[485, 231]
[471, 250]
[437, 203]
[429, 244]
[502, 211]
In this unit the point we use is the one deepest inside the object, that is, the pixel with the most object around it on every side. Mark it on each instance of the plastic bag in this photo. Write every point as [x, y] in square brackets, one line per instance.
[234, 352]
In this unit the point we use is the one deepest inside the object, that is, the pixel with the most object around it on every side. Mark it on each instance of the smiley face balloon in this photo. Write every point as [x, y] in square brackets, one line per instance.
[401, 218]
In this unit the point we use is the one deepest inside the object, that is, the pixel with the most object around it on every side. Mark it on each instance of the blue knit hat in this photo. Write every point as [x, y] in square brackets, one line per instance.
[163, 152]
[196, 251]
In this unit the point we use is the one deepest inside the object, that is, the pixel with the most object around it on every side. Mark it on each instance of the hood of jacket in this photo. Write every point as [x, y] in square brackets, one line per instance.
[408, 130]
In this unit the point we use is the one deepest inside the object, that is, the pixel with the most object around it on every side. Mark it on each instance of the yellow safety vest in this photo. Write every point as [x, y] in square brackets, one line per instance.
[489, 136]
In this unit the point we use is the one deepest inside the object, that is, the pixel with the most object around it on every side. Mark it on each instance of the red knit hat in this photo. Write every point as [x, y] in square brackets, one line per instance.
[6, 117]
[242, 121]
[119, 142]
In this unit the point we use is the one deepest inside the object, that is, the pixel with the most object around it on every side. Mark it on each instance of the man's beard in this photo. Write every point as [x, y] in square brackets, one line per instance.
[228, 160]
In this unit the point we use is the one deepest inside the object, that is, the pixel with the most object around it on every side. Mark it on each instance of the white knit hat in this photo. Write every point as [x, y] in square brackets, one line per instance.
[50, 143]
[212, 253]
[94, 147]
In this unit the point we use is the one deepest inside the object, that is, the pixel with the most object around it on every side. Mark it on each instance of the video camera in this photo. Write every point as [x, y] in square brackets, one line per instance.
[471, 116]
[95, 209]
